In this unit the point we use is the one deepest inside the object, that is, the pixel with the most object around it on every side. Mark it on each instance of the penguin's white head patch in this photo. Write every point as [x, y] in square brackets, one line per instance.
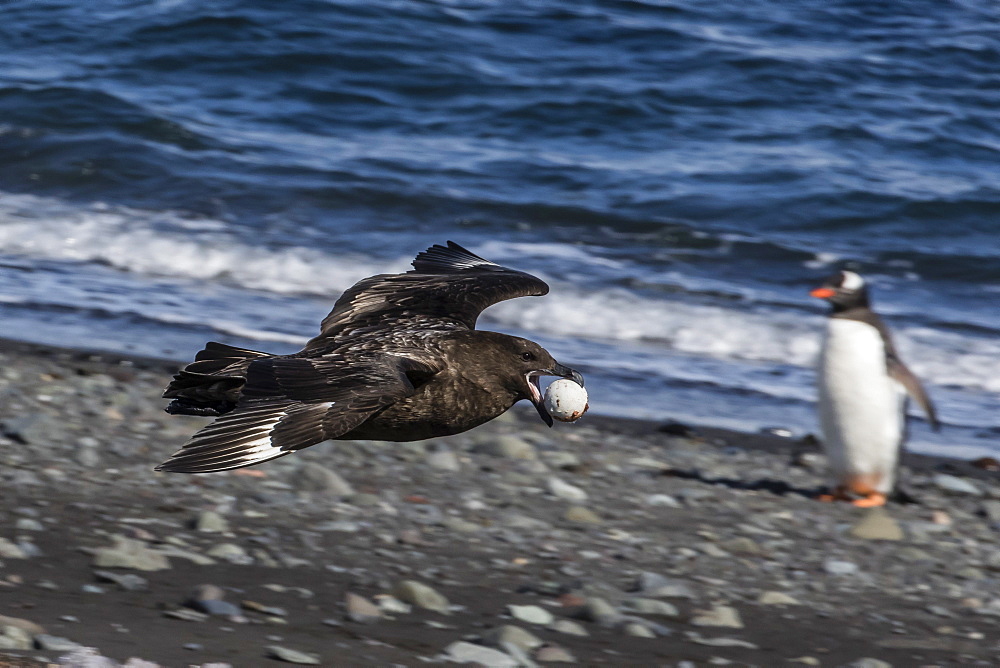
[851, 281]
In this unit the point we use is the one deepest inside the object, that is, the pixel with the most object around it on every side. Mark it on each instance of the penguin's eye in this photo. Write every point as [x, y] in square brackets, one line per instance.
[528, 357]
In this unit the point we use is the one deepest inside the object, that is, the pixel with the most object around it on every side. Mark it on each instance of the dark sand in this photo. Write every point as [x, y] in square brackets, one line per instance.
[723, 517]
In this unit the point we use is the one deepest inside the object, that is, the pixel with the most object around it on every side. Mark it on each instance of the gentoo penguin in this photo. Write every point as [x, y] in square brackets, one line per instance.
[398, 358]
[863, 389]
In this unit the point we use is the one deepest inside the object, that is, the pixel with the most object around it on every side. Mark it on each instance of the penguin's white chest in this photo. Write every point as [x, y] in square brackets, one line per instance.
[861, 409]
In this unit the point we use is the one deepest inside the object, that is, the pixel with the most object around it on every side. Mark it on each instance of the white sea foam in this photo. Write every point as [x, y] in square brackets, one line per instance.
[151, 245]
[154, 243]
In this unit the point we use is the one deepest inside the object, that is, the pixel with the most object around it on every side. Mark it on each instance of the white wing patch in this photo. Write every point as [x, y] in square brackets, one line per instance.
[244, 439]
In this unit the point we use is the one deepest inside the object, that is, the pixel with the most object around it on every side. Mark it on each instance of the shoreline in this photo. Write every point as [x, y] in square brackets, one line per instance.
[762, 440]
[604, 542]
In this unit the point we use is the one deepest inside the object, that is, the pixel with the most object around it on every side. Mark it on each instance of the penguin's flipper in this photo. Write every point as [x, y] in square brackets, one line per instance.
[902, 375]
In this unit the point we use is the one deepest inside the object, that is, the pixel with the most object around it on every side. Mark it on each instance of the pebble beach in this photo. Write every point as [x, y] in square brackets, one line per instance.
[603, 542]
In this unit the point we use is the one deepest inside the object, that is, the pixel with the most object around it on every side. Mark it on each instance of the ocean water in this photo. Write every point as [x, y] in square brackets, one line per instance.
[681, 173]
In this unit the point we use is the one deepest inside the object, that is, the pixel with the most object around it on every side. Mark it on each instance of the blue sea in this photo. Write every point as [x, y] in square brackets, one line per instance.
[680, 172]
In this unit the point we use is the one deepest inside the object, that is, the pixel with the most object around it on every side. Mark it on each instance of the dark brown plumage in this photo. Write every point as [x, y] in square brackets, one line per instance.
[398, 358]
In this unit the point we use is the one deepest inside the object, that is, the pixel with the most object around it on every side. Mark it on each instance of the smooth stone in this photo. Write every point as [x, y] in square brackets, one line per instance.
[877, 524]
[868, 662]
[722, 616]
[315, 478]
[514, 635]
[650, 606]
[776, 598]
[840, 567]
[459, 525]
[654, 584]
[207, 592]
[910, 554]
[720, 642]
[955, 485]
[581, 515]
[88, 457]
[230, 552]
[562, 489]
[444, 460]
[186, 614]
[532, 614]
[360, 609]
[638, 630]
[10, 550]
[600, 611]
[507, 446]
[340, 526]
[29, 524]
[420, 595]
[126, 581]
[194, 557]
[209, 521]
[662, 501]
[561, 459]
[292, 656]
[13, 637]
[518, 654]
[991, 509]
[217, 608]
[569, 627]
[392, 605]
[742, 545]
[467, 652]
[365, 499]
[51, 643]
[130, 553]
[26, 625]
[554, 654]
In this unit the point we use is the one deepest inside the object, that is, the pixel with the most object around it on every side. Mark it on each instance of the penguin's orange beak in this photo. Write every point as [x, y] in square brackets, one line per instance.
[823, 293]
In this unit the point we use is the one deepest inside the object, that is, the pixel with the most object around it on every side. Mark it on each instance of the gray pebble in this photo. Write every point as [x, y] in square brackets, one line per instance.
[654, 584]
[867, 663]
[316, 479]
[877, 524]
[512, 635]
[420, 595]
[840, 567]
[130, 553]
[531, 614]
[554, 654]
[126, 581]
[563, 490]
[13, 637]
[360, 609]
[569, 627]
[466, 652]
[292, 656]
[638, 630]
[29, 524]
[216, 607]
[444, 460]
[9, 550]
[955, 485]
[650, 606]
[51, 643]
[507, 446]
[723, 616]
[210, 521]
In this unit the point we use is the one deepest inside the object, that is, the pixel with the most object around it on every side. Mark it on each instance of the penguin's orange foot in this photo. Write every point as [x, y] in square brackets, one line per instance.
[870, 501]
[837, 494]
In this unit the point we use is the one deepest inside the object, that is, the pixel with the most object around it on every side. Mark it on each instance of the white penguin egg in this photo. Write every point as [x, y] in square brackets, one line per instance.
[565, 400]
